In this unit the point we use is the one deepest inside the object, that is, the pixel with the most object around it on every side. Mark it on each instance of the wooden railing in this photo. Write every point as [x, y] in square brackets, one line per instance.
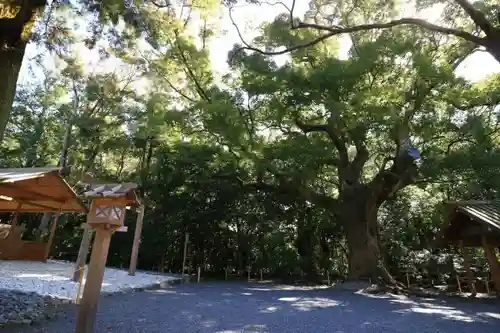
[13, 247]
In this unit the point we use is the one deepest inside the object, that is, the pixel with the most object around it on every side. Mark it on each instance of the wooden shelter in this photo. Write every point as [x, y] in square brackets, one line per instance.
[473, 224]
[106, 215]
[33, 190]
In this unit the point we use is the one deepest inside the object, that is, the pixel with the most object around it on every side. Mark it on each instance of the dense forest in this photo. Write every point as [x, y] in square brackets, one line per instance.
[327, 147]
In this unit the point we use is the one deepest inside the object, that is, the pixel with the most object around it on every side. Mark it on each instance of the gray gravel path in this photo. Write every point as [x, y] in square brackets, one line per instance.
[231, 308]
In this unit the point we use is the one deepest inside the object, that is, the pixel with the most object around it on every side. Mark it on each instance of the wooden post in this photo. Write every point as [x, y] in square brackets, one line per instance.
[225, 271]
[13, 243]
[137, 241]
[487, 284]
[458, 283]
[53, 228]
[470, 275]
[186, 240]
[249, 274]
[261, 275]
[80, 284]
[15, 218]
[161, 268]
[83, 252]
[407, 280]
[489, 251]
[88, 308]
[199, 274]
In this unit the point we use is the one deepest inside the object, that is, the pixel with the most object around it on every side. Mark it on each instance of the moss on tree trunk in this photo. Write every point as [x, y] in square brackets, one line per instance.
[361, 227]
[14, 31]
[10, 65]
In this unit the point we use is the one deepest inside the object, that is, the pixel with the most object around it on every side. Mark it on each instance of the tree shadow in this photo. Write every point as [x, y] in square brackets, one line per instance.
[244, 307]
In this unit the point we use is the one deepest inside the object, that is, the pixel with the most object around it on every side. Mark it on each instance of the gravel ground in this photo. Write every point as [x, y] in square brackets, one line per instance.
[238, 307]
[53, 278]
[17, 307]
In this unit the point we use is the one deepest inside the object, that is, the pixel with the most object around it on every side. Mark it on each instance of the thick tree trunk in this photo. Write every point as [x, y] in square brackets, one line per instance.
[495, 51]
[363, 242]
[493, 45]
[11, 60]
[363, 251]
[12, 49]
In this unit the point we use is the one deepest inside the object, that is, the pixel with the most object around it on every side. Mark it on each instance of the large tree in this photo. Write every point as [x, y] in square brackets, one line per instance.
[24, 21]
[264, 170]
[477, 22]
[342, 130]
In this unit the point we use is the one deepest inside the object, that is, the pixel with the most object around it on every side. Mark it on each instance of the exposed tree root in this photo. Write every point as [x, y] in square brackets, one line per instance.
[385, 283]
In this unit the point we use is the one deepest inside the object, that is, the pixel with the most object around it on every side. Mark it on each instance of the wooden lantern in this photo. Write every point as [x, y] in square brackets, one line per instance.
[107, 215]
[106, 212]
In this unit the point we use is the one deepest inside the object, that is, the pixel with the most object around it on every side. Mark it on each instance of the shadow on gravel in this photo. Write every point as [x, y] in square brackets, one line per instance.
[231, 308]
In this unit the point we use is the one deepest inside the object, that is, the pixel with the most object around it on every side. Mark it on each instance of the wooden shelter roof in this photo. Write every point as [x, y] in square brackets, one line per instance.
[37, 190]
[123, 191]
[467, 221]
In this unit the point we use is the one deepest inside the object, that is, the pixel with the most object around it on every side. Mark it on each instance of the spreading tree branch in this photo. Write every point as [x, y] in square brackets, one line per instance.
[358, 136]
[403, 21]
[492, 100]
[330, 31]
[249, 47]
[337, 141]
[304, 192]
[189, 71]
[479, 19]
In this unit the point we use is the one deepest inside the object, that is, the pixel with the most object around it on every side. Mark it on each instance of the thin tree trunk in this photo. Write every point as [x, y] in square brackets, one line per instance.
[82, 252]
[307, 246]
[147, 155]
[161, 267]
[184, 252]
[121, 164]
[63, 160]
[11, 61]
[44, 225]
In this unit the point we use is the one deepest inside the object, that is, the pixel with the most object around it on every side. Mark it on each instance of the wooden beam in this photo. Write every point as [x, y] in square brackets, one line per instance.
[15, 218]
[186, 240]
[470, 274]
[90, 301]
[489, 251]
[137, 241]
[466, 202]
[440, 236]
[51, 236]
[35, 194]
[50, 209]
[476, 230]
